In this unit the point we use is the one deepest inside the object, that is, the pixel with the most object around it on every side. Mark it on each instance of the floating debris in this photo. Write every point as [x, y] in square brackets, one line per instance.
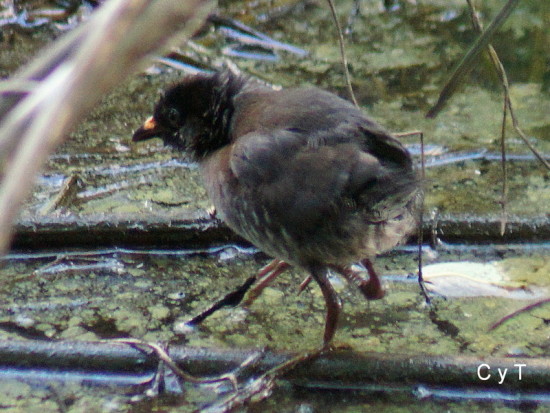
[474, 279]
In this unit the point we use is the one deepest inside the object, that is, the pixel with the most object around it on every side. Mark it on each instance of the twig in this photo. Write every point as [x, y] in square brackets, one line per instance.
[163, 355]
[420, 232]
[508, 107]
[524, 137]
[231, 299]
[421, 224]
[465, 65]
[66, 195]
[343, 52]
[261, 387]
[504, 165]
[507, 103]
[521, 310]
[76, 73]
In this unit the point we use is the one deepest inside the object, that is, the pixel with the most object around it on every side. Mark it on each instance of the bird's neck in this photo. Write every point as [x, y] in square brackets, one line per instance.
[216, 118]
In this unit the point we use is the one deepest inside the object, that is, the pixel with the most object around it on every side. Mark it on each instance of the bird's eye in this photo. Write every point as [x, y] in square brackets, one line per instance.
[173, 117]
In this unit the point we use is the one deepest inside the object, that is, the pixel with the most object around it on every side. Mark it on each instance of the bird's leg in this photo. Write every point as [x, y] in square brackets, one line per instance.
[264, 272]
[266, 275]
[304, 284]
[332, 302]
[371, 288]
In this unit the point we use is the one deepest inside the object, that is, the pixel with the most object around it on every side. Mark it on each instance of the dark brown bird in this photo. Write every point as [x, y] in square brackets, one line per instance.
[301, 173]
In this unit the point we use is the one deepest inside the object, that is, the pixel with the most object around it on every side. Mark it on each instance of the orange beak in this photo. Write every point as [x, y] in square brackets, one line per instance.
[149, 129]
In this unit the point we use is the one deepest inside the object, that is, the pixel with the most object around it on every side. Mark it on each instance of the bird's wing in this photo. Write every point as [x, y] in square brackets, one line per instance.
[303, 184]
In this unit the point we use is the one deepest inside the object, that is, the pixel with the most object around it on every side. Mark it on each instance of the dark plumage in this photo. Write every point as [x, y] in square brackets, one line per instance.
[300, 173]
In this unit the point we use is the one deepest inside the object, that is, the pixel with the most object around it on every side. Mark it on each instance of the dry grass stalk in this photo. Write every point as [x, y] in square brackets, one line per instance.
[45, 100]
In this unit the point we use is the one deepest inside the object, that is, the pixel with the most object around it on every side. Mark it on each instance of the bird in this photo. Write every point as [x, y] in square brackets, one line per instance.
[302, 174]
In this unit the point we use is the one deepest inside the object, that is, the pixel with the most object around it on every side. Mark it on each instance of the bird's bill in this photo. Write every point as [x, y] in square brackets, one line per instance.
[149, 129]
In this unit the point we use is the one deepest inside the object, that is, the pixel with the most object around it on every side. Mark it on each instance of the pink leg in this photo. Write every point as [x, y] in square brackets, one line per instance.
[371, 288]
[268, 268]
[332, 302]
[266, 275]
[304, 283]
